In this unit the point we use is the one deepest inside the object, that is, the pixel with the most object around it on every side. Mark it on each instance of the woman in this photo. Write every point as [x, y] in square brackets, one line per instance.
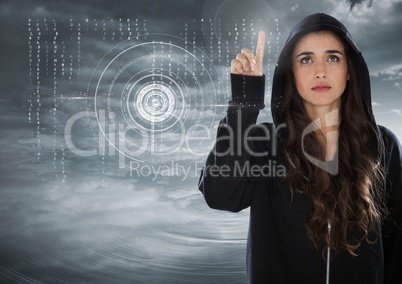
[323, 181]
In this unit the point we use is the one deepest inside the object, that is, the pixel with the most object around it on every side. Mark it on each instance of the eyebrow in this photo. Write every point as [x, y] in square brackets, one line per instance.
[329, 51]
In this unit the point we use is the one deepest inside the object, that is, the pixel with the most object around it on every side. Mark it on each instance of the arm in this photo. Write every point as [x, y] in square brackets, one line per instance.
[222, 182]
[392, 227]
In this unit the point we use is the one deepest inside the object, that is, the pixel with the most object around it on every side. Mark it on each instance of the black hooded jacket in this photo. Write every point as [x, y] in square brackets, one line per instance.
[246, 168]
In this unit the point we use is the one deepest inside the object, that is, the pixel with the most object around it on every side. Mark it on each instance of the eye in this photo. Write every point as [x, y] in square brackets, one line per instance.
[306, 60]
[333, 58]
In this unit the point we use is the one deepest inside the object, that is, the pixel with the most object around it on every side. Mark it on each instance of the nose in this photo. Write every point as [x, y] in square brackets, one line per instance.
[320, 75]
[320, 72]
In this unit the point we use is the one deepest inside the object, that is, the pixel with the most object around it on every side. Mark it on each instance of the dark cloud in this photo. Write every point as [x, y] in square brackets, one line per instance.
[353, 3]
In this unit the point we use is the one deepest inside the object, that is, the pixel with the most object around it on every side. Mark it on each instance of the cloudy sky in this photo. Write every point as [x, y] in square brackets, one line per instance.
[102, 192]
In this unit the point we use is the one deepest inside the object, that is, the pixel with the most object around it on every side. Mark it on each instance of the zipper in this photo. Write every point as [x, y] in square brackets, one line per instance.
[328, 252]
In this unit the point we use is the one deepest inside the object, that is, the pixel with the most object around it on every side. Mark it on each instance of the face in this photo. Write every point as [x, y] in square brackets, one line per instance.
[320, 70]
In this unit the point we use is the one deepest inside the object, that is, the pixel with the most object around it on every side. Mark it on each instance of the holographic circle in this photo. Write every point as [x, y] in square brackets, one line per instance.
[151, 90]
[138, 109]
[155, 102]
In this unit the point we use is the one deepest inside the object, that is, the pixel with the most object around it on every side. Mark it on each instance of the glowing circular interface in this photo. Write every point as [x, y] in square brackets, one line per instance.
[153, 91]
[155, 102]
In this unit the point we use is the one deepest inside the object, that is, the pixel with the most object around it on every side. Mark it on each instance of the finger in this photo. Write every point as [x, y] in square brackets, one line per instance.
[236, 67]
[244, 61]
[249, 59]
[259, 54]
[260, 46]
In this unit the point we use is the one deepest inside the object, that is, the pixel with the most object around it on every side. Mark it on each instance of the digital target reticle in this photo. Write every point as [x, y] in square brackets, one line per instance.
[154, 87]
[155, 102]
[155, 96]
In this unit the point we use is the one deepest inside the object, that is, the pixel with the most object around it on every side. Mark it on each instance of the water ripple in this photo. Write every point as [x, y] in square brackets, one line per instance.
[170, 238]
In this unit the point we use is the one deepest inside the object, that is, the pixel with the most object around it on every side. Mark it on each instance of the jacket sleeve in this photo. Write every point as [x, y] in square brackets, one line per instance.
[223, 181]
[392, 228]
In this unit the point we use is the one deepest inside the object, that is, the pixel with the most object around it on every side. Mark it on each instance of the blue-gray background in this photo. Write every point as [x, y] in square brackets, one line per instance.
[100, 224]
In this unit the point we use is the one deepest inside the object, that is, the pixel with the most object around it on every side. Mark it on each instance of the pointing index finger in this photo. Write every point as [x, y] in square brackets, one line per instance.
[259, 54]
[260, 46]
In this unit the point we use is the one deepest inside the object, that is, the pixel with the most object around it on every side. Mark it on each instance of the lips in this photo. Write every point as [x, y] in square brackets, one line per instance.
[321, 88]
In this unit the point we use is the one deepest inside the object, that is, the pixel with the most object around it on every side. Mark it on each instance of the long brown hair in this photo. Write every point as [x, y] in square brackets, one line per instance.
[352, 200]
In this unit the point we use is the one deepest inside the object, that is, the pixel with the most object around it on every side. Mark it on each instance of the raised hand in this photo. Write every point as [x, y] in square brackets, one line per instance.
[246, 63]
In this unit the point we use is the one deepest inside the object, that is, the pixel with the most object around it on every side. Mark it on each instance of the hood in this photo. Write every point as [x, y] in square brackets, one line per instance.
[314, 23]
